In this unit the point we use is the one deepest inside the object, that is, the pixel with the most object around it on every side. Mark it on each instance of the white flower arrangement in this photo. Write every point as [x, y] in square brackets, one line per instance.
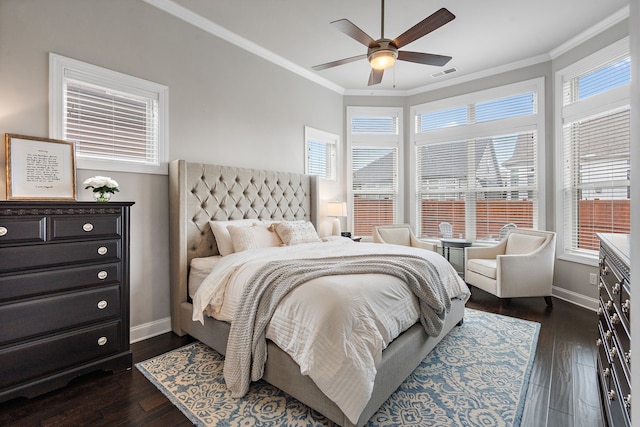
[102, 184]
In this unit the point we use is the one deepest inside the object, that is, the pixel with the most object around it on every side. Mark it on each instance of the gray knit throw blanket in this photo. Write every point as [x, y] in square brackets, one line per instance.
[247, 346]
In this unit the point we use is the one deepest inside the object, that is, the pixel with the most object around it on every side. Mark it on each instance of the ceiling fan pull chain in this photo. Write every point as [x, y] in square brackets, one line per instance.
[394, 77]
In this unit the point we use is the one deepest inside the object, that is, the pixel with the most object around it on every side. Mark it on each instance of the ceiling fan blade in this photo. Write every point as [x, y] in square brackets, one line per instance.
[338, 62]
[424, 27]
[423, 58]
[352, 30]
[375, 77]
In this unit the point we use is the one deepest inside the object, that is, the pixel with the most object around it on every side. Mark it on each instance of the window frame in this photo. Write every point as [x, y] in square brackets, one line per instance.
[510, 125]
[61, 68]
[329, 140]
[376, 141]
[615, 99]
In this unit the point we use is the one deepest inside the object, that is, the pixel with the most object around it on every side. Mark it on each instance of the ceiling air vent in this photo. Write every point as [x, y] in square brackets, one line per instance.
[445, 72]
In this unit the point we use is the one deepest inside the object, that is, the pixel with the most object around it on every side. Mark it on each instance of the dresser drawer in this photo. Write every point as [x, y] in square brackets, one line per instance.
[22, 363]
[29, 318]
[22, 285]
[22, 230]
[65, 227]
[37, 256]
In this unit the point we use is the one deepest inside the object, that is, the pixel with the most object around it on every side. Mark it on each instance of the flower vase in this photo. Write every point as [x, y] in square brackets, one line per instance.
[101, 196]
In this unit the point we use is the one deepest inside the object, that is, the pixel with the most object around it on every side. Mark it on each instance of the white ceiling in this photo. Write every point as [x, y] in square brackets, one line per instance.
[486, 36]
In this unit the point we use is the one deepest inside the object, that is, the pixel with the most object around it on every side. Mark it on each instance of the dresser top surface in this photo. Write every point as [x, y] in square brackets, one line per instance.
[619, 243]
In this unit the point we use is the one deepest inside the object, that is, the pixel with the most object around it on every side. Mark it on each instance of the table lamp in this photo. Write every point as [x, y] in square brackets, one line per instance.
[336, 210]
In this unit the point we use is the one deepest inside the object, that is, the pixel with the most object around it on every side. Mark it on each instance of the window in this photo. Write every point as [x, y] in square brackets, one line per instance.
[321, 148]
[117, 122]
[375, 140]
[593, 97]
[476, 160]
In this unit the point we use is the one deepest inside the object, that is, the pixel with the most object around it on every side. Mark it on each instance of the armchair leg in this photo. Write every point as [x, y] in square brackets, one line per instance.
[549, 301]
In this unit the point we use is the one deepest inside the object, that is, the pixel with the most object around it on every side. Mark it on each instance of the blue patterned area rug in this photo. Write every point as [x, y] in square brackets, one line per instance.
[477, 376]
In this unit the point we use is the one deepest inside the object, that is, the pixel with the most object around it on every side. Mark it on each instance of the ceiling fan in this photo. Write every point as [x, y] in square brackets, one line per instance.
[382, 53]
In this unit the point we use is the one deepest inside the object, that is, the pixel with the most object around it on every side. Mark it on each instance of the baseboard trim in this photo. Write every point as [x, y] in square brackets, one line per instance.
[576, 298]
[149, 330]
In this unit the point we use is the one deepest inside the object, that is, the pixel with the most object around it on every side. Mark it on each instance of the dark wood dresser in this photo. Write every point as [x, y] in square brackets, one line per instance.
[614, 343]
[64, 293]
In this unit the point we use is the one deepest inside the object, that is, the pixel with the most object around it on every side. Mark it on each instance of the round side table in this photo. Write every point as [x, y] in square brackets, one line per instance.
[447, 244]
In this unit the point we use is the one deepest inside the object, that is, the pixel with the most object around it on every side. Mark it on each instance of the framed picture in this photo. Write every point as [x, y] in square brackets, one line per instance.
[39, 168]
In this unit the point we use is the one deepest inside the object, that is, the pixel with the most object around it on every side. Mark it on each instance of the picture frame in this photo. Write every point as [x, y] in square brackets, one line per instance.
[39, 168]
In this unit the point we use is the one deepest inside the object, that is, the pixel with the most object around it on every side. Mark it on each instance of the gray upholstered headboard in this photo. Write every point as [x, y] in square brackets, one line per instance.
[199, 193]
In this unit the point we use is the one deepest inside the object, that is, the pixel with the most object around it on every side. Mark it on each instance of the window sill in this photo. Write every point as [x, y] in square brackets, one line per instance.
[589, 260]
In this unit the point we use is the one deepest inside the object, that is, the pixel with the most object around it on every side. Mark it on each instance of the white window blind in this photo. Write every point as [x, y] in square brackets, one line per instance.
[321, 149]
[374, 163]
[475, 175]
[110, 125]
[117, 122]
[595, 149]
[375, 188]
[480, 184]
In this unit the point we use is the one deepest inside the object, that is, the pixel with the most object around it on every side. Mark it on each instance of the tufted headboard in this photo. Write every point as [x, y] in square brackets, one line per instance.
[199, 193]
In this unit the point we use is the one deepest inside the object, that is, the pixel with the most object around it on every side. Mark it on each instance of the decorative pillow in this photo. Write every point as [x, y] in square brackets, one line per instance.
[294, 233]
[220, 232]
[253, 237]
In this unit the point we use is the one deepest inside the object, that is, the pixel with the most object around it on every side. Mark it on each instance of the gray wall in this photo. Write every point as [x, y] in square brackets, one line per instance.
[226, 106]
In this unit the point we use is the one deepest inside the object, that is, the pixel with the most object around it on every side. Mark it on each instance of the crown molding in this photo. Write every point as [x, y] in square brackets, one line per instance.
[180, 12]
[210, 27]
[591, 32]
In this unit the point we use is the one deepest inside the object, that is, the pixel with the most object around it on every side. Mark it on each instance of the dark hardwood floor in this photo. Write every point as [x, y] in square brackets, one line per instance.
[562, 392]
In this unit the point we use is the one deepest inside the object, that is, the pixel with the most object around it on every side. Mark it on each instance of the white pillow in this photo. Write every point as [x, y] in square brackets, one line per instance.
[253, 237]
[220, 232]
[293, 233]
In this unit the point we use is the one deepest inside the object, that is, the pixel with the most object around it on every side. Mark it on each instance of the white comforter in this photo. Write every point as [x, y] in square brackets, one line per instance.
[334, 327]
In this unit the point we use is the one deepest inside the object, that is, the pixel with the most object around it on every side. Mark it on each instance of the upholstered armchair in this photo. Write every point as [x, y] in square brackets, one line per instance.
[521, 265]
[400, 234]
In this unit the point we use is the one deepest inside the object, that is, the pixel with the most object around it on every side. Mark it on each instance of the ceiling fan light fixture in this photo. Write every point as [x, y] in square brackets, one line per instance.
[382, 59]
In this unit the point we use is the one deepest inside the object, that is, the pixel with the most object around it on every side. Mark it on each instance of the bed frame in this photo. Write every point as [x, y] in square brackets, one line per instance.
[199, 193]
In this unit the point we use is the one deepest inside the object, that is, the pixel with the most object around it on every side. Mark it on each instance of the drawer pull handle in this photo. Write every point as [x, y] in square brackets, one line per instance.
[102, 340]
[615, 319]
[87, 227]
[102, 304]
[102, 250]
[627, 401]
[626, 306]
[102, 275]
[606, 372]
[612, 394]
[3, 231]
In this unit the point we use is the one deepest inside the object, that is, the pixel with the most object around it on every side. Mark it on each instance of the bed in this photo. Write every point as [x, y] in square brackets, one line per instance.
[201, 193]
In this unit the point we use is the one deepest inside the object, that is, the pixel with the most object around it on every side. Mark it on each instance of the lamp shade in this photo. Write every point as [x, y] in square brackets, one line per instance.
[382, 59]
[337, 209]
